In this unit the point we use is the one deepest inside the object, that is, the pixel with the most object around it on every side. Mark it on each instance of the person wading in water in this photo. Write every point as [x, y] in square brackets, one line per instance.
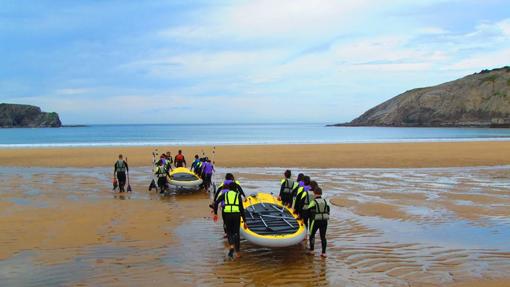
[286, 188]
[119, 171]
[233, 212]
[319, 217]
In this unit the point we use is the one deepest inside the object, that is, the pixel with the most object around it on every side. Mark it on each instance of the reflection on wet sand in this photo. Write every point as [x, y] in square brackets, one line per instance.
[389, 227]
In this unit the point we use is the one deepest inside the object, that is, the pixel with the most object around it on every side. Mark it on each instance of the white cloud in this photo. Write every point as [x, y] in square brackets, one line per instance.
[269, 51]
[213, 64]
[282, 19]
[73, 91]
[504, 26]
[433, 31]
[481, 61]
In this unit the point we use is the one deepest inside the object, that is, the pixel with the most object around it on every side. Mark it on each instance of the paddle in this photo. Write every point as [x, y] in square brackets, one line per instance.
[129, 185]
[214, 170]
[153, 182]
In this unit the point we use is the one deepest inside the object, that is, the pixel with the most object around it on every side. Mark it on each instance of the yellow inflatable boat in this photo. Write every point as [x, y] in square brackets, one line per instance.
[269, 223]
[182, 178]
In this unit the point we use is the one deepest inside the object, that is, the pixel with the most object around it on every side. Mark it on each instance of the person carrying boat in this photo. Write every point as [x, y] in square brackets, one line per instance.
[119, 171]
[201, 168]
[229, 179]
[300, 183]
[179, 160]
[169, 161]
[208, 171]
[303, 200]
[228, 184]
[196, 165]
[161, 173]
[232, 214]
[222, 189]
[286, 188]
[319, 216]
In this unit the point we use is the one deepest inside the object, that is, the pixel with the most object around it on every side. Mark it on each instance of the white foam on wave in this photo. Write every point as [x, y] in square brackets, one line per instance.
[211, 143]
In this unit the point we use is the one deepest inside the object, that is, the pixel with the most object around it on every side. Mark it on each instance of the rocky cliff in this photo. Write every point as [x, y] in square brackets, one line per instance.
[478, 100]
[25, 116]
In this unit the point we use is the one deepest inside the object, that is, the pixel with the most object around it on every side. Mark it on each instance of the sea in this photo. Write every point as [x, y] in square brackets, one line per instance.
[234, 134]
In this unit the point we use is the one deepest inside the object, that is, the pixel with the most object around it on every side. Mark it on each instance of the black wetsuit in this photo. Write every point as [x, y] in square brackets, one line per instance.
[161, 174]
[195, 166]
[286, 191]
[232, 220]
[302, 201]
[168, 164]
[295, 191]
[237, 187]
[320, 223]
[120, 168]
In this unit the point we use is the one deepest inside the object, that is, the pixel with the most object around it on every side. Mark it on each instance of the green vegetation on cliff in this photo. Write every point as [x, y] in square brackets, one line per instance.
[26, 116]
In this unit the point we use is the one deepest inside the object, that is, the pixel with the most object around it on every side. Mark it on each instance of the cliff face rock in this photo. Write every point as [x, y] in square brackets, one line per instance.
[25, 116]
[478, 100]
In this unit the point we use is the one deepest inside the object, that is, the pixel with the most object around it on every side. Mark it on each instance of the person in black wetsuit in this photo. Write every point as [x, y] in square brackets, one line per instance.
[233, 212]
[229, 184]
[161, 173]
[319, 216]
[229, 178]
[196, 165]
[119, 171]
[168, 161]
[286, 188]
[208, 170]
[299, 184]
[303, 200]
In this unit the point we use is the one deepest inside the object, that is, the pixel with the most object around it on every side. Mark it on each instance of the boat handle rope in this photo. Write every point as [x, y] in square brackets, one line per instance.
[283, 218]
[291, 226]
[283, 208]
[251, 205]
[273, 216]
[265, 224]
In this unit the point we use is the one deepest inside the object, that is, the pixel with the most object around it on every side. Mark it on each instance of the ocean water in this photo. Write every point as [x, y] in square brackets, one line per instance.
[218, 134]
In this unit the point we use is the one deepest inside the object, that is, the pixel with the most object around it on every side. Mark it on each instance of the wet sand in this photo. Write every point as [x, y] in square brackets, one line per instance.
[389, 227]
[383, 155]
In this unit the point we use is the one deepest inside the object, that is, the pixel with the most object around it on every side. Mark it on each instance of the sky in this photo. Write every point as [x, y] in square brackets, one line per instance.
[260, 61]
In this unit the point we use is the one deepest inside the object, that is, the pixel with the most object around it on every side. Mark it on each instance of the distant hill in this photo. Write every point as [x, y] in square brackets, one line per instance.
[478, 100]
[26, 116]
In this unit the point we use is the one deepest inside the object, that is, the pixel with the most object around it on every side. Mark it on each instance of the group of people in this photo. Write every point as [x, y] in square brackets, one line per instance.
[163, 167]
[304, 196]
[204, 168]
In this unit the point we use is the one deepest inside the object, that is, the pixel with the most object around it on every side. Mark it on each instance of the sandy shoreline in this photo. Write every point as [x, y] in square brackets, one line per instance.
[55, 219]
[380, 155]
[389, 227]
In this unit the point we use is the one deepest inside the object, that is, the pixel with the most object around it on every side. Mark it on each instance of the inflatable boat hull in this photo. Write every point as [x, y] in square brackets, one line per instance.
[271, 224]
[182, 178]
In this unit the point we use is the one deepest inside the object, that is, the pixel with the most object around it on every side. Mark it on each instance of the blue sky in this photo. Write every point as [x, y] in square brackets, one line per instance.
[239, 61]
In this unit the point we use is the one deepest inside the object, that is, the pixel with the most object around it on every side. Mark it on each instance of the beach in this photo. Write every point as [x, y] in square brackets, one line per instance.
[379, 155]
[403, 214]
